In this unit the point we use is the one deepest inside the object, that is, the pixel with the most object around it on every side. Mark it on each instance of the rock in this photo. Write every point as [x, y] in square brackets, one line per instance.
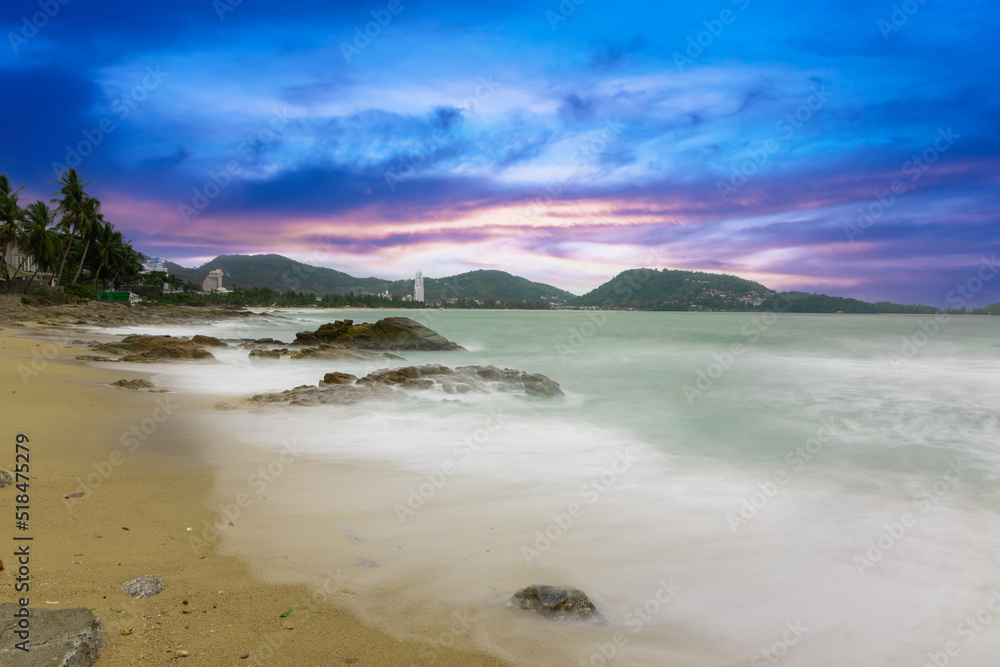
[63, 637]
[339, 378]
[133, 384]
[141, 348]
[6, 478]
[268, 341]
[344, 389]
[142, 587]
[182, 654]
[559, 603]
[210, 341]
[333, 352]
[268, 354]
[391, 333]
[91, 357]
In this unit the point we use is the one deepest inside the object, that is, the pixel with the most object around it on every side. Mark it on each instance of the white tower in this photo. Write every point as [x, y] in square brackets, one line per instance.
[418, 287]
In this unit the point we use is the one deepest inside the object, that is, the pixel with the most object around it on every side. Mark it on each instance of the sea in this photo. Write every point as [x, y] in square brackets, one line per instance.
[727, 488]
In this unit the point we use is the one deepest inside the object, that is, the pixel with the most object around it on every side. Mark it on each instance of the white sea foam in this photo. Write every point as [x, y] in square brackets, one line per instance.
[873, 539]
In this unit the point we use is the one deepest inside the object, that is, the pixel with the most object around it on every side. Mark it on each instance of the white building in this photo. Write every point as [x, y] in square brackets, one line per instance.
[418, 287]
[213, 283]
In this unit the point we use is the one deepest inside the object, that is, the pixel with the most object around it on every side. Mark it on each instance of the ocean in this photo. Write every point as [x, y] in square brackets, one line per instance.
[728, 488]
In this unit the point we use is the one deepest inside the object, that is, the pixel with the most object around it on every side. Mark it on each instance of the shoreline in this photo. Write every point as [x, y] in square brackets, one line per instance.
[142, 493]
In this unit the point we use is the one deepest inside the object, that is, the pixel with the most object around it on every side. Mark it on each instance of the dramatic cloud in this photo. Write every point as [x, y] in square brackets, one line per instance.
[844, 147]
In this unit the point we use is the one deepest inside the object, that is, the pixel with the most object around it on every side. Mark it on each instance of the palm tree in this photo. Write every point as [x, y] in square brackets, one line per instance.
[11, 215]
[41, 238]
[74, 207]
[93, 221]
[127, 261]
[110, 249]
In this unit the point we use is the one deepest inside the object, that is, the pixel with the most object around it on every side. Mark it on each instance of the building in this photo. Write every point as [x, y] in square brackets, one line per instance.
[154, 264]
[19, 266]
[418, 287]
[214, 281]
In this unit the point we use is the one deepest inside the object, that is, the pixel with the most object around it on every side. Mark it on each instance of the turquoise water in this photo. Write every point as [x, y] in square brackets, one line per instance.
[821, 488]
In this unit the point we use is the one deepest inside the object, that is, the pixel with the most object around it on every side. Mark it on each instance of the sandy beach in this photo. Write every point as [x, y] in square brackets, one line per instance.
[140, 498]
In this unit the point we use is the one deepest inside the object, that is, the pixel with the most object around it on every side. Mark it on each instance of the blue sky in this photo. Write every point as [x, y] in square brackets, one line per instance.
[849, 147]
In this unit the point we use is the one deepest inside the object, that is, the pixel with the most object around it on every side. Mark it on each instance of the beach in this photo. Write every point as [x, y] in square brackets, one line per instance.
[139, 500]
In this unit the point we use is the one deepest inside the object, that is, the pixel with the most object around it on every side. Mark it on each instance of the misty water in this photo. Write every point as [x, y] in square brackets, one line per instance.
[728, 488]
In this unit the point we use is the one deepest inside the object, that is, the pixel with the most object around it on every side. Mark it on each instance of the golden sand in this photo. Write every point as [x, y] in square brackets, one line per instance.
[132, 520]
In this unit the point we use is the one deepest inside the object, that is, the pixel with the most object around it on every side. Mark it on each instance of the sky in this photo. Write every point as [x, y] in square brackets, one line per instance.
[843, 147]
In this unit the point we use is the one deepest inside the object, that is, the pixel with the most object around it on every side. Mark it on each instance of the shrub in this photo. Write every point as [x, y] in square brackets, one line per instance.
[25, 300]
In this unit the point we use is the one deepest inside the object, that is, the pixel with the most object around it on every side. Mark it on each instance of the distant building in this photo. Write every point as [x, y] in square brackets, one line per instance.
[214, 281]
[418, 287]
[154, 264]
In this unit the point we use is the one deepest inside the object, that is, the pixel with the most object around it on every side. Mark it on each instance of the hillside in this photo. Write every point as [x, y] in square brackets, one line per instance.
[284, 274]
[487, 285]
[653, 289]
[280, 273]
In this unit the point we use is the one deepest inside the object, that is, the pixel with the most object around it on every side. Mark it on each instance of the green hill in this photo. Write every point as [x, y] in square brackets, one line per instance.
[280, 273]
[284, 274]
[487, 285]
[653, 289]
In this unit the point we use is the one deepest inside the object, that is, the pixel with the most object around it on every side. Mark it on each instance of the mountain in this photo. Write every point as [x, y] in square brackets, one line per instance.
[654, 289]
[282, 273]
[491, 285]
[279, 273]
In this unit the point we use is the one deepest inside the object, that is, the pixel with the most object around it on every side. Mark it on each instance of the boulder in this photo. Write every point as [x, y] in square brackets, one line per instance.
[143, 587]
[64, 637]
[210, 341]
[391, 333]
[346, 389]
[268, 354]
[133, 384]
[141, 348]
[558, 603]
[334, 352]
[339, 378]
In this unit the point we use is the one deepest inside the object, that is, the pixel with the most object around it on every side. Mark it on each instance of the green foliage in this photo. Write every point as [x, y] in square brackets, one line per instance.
[652, 289]
[79, 291]
[25, 300]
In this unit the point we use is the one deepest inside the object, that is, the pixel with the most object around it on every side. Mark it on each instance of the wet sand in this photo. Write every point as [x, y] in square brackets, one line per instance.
[145, 484]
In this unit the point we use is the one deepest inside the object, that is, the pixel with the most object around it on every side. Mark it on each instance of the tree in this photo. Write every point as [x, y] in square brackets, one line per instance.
[41, 239]
[74, 208]
[93, 222]
[111, 249]
[11, 215]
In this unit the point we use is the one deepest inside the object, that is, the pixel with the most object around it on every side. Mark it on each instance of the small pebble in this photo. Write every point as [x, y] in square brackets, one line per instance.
[244, 656]
[182, 654]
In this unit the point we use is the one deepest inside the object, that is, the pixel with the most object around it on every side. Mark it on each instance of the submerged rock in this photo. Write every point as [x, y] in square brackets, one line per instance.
[65, 637]
[334, 352]
[269, 354]
[143, 587]
[141, 348]
[91, 357]
[133, 384]
[345, 389]
[391, 333]
[558, 603]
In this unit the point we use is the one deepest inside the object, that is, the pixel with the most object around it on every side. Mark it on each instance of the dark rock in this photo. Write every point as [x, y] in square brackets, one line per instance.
[133, 384]
[339, 378]
[268, 341]
[143, 587]
[63, 637]
[391, 333]
[333, 352]
[268, 354]
[141, 348]
[559, 603]
[345, 389]
[91, 357]
[210, 341]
